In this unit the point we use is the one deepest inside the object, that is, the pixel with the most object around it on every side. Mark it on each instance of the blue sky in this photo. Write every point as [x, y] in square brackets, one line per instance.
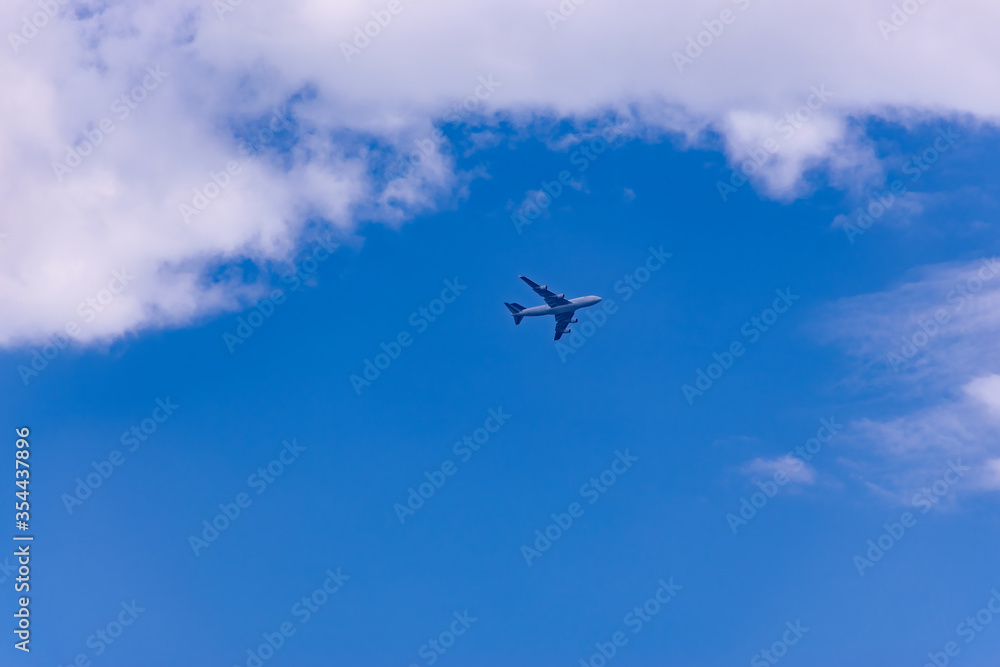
[664, 518]
[279, 414]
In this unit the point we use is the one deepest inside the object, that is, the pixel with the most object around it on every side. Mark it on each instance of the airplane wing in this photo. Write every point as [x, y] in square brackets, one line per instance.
[562, 321]
[551, 298]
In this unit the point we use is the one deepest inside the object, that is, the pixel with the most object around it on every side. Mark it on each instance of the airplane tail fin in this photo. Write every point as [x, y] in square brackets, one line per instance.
[514, 309]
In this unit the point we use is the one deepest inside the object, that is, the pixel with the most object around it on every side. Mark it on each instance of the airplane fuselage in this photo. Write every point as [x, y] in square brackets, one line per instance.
[574, 304]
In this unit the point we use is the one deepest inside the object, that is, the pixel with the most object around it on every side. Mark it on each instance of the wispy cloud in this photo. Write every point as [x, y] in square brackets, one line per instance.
[927, 349]
[797, 470]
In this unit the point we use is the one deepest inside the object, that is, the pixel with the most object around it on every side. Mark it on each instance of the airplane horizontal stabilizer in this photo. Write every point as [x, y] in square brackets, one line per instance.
[514, 309]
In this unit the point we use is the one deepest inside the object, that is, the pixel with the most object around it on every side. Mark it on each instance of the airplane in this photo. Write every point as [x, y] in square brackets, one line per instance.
[555, 304]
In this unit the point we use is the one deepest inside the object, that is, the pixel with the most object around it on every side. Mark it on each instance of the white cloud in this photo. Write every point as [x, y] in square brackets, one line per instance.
[897, 456]
[991, 477]
[932, 332]
[119, 208]
[986, 390]
[903, 210]
[927, 358]
[797, 470]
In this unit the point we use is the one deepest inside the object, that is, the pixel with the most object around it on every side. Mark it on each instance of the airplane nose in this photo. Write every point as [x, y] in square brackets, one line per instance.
[598, 299]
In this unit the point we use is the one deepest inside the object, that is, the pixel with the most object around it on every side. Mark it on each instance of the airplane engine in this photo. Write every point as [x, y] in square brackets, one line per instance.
[561, 296]
[574, 321]
[566, 331]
